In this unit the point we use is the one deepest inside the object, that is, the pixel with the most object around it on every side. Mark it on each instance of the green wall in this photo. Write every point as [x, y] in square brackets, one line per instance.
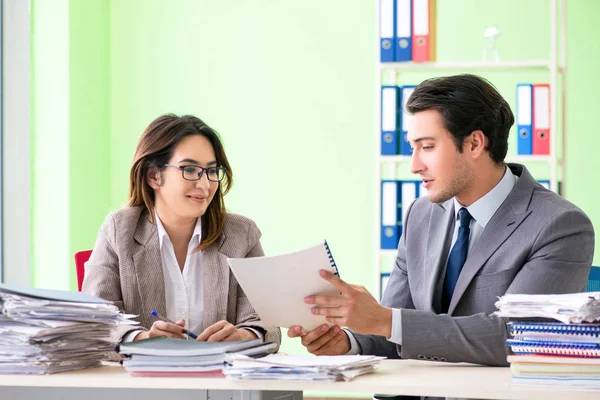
[89, 123]
[70, 134]
[583, 87]
[290, 85]
[50, 108]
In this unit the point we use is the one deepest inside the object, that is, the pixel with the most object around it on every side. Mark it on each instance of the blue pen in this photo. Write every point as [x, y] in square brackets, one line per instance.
[162, 318]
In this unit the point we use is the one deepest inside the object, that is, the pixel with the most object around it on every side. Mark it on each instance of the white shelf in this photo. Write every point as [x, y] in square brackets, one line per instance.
[525, 64]
[517, 159]
[554, 66]
[533, 158]
[394, 158]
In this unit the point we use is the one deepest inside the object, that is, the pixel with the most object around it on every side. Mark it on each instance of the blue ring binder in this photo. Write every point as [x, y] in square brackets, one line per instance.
[517, 327]
[331, 260]
[556, 345]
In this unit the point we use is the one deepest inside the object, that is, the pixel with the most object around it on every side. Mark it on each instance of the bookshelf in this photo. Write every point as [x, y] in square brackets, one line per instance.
[554, 67]
[526, 64]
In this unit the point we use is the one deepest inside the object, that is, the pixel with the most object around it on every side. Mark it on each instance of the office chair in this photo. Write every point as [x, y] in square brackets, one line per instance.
[80, 258]
[593, 280]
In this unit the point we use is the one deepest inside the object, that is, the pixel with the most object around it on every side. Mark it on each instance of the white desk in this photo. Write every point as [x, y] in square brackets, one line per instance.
[393, 377]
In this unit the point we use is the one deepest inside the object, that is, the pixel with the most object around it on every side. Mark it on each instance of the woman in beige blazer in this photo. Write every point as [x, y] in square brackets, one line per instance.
[167, 251]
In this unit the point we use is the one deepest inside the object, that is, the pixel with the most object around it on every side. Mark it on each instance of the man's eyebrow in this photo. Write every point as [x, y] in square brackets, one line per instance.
[423, 138]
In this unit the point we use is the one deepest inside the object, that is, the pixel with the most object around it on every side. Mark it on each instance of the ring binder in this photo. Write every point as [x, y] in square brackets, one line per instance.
[558, 345]
[554, 327]
[331, 260]
[288, 278]
[580, 349]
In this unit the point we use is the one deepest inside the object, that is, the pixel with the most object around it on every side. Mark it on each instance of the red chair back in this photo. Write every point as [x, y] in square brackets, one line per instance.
[80, 258]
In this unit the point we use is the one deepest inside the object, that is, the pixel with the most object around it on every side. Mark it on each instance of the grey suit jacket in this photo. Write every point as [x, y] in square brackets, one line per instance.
[126, 268]
[536, 243]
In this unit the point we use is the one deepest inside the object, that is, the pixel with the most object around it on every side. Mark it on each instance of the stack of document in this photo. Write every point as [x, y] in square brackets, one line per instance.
[47, 331]
[312, 368]
[162, 356]
[567, 308]
[564, 354]
[554, 353]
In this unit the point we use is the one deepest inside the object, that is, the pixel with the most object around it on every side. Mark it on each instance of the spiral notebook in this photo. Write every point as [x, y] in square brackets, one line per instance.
[555, 332]
[555, 327]
[580, 349]
[277, 285]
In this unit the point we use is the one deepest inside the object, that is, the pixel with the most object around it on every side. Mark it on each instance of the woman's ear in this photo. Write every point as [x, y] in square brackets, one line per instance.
[154, 178]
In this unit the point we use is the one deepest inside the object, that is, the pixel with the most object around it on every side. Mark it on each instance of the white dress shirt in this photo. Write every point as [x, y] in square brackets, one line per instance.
[482, 212]
[184, 289]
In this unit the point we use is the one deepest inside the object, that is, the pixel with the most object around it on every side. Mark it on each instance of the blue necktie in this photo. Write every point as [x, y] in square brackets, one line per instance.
[457, 258]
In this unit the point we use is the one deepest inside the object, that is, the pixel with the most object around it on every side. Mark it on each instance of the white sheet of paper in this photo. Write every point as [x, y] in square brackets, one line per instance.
[276, 286]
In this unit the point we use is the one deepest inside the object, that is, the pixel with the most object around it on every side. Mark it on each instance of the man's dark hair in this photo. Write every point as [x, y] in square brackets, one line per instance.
[467, 103]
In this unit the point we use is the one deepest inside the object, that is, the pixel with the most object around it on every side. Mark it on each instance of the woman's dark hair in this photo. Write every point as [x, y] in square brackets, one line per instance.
[155, 149]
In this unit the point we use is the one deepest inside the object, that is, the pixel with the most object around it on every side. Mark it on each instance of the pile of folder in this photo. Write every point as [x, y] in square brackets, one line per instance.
[550, 353]
[285, 367]
[533, 119]
[396, 198]
[407, 30]
[47, 331]
[162, 356]
[395, 119]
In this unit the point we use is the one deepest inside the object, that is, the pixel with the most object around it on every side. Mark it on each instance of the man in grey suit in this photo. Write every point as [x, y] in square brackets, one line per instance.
[486, 229]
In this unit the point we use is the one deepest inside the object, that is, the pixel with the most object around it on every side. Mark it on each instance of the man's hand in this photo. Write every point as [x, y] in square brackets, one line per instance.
[163, 328]
[355, 308]
[224, 331]
[323, 341]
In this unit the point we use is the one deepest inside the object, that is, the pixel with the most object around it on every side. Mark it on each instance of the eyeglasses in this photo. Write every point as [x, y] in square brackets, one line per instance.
[194, 172]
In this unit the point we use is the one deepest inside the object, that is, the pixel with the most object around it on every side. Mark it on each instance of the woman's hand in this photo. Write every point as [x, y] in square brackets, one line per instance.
[224, 331]
[162, 328]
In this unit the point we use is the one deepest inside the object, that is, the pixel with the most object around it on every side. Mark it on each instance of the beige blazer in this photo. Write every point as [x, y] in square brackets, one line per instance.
[126, 268]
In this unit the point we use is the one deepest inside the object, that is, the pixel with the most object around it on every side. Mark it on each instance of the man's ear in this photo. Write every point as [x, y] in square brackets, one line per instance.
[476, 143]
[154, 178]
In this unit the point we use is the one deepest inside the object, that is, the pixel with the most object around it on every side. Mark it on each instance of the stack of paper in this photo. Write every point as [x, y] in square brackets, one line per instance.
[549, 353]
[162, 356]
[47, 331]
[553, 353]
[313, 368]
[567, 308]
[557, 371]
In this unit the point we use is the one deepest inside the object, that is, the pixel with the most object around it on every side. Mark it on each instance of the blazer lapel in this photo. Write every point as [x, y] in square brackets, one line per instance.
[148, 268]
[216, 283]
[440, 226]
[504, 222]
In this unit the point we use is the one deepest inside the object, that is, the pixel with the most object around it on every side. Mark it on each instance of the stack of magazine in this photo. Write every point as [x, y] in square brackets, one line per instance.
[162, 356]
[563, 353]
[47, 331]
[284, 367]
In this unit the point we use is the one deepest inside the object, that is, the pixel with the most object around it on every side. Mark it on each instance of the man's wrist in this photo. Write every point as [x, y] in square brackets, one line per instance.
[385, 325]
